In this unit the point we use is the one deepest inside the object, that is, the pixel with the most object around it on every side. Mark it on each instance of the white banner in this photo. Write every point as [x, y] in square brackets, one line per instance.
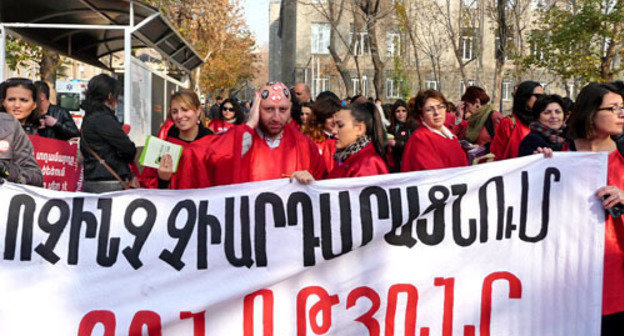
[507, 248]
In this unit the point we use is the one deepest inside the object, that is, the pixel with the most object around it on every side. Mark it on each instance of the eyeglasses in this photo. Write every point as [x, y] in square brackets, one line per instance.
[231, 109]
[537, 95]
[613, 109]
[432, 109]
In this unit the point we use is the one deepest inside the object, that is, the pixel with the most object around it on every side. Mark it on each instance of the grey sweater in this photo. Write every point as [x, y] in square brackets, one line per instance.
[16, 151]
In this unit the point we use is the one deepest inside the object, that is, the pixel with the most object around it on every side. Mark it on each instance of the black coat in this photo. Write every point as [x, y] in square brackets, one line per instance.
[64, 129]
[401, 133]
[101, 131]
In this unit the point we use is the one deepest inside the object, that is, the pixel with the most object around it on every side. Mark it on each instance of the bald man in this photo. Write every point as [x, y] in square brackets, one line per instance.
[302, 93]
[266, 147]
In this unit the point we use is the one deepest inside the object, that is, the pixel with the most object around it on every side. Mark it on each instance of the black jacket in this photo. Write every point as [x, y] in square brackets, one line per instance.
[64, 129]
[102, 132]
[401, 132]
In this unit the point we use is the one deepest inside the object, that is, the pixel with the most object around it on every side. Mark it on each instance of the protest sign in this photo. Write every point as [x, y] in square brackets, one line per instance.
[59, 163]
[506, 248]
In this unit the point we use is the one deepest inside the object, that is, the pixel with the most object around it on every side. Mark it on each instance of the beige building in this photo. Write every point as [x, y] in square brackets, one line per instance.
[301, 32]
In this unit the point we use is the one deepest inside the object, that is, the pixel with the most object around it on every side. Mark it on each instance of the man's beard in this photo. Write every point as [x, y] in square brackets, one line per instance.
[267, 132]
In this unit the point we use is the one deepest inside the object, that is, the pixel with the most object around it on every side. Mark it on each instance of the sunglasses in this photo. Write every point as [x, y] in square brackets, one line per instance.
[231, 109]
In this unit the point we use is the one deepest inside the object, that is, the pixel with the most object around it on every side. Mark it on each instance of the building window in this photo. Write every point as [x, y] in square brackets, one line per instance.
[462, 85]
[362, 44]
[468, 44]
[535, 49]
[321, 84]
[395, 43]
[472, 4]
[508, 47]
[320, 38]
[539, 4]
[356, 86]
[392, 88]
[432, 84]
[571, 89]
[507, 91]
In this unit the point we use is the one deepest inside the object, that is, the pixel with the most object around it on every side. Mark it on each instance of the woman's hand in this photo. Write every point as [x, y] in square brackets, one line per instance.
[254, 112]
[302, 176]
[548, 152]
[615, 196]
[165, 169]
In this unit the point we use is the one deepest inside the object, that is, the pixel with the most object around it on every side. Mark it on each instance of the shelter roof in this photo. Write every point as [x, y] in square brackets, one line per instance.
[90, 45]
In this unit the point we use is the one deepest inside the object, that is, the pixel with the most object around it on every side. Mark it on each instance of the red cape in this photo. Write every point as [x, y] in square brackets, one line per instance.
[366, 162]
[295, 152]
[327, 148]
[427, 150]
[192, 173]
[220, 126]
[164, 129]
[507, 138]
[241, 155]
[613, 280]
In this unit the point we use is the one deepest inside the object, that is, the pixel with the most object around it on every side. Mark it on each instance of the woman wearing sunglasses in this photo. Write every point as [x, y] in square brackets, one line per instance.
[230, 114]
[432, 145]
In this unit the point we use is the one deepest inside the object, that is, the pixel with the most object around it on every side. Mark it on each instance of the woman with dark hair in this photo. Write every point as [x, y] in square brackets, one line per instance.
[402, 125]
[230, 113]
[101, 133]
[360, 144]
[19, 98]
[547, 127]
[320, 126]
[513, 129]
[185, 112]
[17, 161]
[482, 119]
[432, 145]
[598, 116]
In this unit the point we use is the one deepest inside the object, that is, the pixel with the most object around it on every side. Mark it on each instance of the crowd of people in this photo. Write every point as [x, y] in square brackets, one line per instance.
[284, 132]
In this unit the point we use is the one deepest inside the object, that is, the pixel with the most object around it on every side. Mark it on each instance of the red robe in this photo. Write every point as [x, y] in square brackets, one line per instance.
[164, 129]
[191, 172]
[327, 148]
[220, 125]
[295, 152]
[613, 281]
[507, 138]
[427, 150]
[228, 164]
[366, 162]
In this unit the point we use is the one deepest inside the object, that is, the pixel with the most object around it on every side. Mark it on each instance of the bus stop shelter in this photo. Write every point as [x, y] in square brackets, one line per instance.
[90, 30]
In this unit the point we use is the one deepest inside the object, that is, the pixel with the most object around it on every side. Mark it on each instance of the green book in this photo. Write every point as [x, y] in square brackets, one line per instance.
[155, 148]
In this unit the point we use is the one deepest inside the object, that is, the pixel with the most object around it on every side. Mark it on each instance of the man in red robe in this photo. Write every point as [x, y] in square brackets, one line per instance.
[266, 147]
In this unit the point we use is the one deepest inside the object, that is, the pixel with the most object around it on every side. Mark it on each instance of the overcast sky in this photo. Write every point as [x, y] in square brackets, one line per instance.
[257, 18]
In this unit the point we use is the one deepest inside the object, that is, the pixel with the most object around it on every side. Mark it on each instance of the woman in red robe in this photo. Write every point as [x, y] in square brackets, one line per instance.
[598, 115]
[360, 144]
[432, 145]
[185, 113]
[230, 114]
[320, 126]
[513, 129]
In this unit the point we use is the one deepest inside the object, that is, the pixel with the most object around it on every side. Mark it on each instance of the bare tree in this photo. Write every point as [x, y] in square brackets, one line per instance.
[334, 12]
[371, 13]
[457, 24]
[428, 38]
[407, 15]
